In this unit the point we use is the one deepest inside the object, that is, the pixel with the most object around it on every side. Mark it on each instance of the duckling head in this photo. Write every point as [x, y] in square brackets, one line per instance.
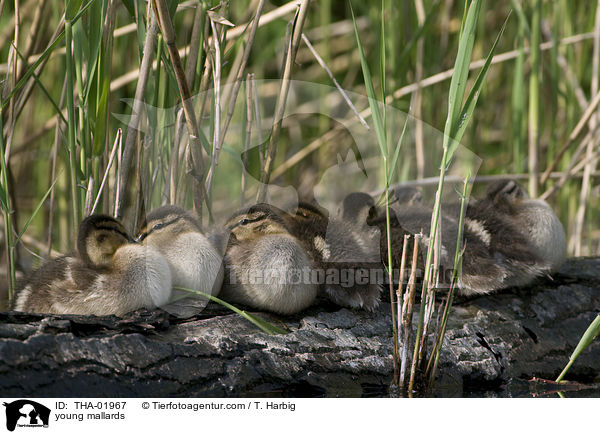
[407, 195]
[258, 220]
[193, 260]
[506, 189]
[99, 238]
[358, 208]
[167, 222]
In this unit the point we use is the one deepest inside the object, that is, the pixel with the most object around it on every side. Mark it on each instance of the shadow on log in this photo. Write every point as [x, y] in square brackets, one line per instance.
[494, 344]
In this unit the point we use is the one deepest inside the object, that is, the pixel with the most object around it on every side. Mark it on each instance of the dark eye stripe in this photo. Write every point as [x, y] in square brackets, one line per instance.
[144, 234]
[246, 220]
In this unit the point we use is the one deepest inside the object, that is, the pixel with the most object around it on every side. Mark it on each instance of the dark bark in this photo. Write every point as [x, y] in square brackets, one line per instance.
[494, 344]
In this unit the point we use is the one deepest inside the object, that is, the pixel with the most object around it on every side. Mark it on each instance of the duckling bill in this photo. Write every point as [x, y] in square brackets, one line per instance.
[108, 275]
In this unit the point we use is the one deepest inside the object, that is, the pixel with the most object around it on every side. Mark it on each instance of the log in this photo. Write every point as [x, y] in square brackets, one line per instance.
[494, 345]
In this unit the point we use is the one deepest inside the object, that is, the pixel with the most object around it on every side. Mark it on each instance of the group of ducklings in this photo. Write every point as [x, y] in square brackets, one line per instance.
[267, 258]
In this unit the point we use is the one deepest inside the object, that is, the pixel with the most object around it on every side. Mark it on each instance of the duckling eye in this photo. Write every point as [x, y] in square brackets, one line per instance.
[101, 238]
[244, 221]
[158, 226]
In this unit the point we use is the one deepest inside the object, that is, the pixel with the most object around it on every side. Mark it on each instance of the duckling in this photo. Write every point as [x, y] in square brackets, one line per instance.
[542, 225]
[109, 275]
[497, 253]
[193, 259]
[266, 266]
[508, 210]
[347, 257]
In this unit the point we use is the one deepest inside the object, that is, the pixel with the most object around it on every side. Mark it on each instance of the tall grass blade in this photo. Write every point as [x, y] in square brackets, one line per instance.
[373, 103]
[590, 334]
[469, 107]
[265, 326]
[394, 161]
[461, 71]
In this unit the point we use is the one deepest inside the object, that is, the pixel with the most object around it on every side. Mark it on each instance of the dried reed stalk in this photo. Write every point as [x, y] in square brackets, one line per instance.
[293, 43]
[196, 167]
[407, 313]
[136, 111]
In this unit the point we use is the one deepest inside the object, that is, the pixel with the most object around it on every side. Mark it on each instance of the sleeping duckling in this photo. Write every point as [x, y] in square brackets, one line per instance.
[346, 256]
[193, 260]
[110, 275]
[266, 267]
[541, 225]
[524, 231]
[509, 239]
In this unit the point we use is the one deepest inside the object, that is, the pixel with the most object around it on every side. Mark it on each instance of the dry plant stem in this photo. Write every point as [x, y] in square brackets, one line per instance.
[430, 292]
[335, 82]
[534, 90]
[195, 39]
[113, 152]
[216, 111]
[248, 136]
[88, 197]
[572, 168]
[282, 98]
[236, 86]
[174, 163]
[231, 34]
[36, 30]
[57, 137]
[407, 313]
[136, 111]
[196, 150]
[399, 298]
[261, 154]
[17, 63]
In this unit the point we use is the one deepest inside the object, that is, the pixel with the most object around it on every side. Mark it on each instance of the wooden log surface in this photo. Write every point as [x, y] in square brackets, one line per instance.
[494, 345]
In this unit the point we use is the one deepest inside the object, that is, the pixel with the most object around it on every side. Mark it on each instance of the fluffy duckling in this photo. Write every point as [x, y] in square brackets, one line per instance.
[192, 258]
[542, 225]
[266, 267]
[345, 256]
[507, 213]
[109, 275]
[509, 239]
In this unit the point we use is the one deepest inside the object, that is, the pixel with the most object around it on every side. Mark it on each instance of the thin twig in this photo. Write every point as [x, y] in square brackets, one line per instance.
[399, 299]
[136, 111]
[196, 151]
[248, 137]
[113, 152]
[293, 44]
[407, 312]
[335, 82]
[195, 41]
